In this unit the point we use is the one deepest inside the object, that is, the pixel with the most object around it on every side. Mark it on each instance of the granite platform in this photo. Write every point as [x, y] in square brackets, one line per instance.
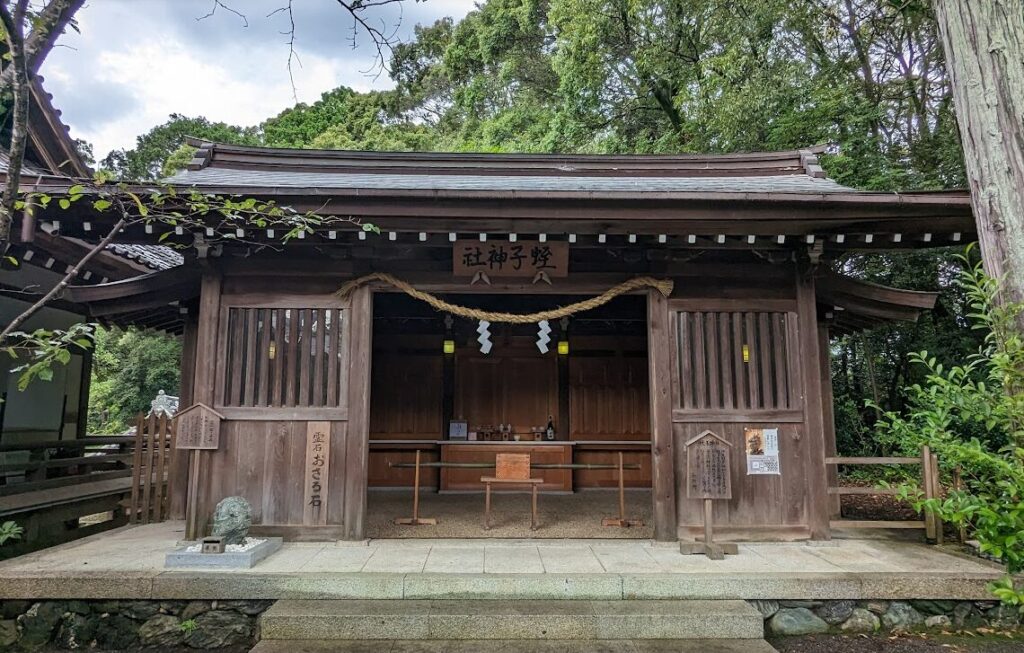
[128, 563]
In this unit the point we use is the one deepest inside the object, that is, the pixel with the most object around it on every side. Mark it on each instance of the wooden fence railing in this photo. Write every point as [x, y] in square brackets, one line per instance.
[153, 459]
[33, 466]
[930, 483]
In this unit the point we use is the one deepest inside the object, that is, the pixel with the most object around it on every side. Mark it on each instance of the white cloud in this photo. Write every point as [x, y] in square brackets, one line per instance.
[135, 63]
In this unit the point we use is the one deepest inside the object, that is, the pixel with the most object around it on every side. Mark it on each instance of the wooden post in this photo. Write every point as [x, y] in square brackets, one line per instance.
[161, 452]
[958, 484]
[929, 488]
[663, 463]
[415, 520]
[937, 493]
[621, 520]
[203, 391]
[357, 439]
[133, 516]
[814, 440]
[178, 472]
[487, 506]
[829, 418]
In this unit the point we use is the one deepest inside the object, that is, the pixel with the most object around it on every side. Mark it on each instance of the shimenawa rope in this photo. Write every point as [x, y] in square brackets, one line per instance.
[663, 286]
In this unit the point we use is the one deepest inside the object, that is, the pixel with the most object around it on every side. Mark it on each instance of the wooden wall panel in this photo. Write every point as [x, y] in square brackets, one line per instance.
[516, 388]
[406, 397]
[608, 398]
[762, 505]
[264, 462]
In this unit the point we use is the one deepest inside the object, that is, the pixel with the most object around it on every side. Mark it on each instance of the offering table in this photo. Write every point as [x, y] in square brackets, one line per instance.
[454, 479]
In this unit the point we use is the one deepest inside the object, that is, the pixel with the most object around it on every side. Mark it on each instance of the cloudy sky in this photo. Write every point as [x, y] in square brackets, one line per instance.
[137, 61]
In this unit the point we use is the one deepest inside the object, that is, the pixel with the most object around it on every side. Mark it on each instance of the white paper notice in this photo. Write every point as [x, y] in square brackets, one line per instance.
[762, 448]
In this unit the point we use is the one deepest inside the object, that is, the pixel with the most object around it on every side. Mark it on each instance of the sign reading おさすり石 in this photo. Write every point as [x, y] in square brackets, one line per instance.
[198, 427]
[523, 258]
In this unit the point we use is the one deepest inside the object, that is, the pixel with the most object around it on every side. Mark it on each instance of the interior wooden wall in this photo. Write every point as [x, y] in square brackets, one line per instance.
[514, 384]
[608, 397]
[405, 396]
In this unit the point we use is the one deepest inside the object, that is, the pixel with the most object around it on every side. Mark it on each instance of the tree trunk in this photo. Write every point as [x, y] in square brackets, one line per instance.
[984, 44]
[12, 22]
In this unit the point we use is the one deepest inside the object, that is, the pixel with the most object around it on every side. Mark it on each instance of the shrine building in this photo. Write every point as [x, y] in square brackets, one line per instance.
[581, 310]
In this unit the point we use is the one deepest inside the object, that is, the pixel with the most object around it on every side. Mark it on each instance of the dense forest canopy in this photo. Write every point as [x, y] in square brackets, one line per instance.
[664, 76]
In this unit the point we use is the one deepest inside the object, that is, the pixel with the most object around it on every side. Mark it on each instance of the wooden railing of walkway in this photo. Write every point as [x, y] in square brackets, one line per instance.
[930, 484]
[58, 482]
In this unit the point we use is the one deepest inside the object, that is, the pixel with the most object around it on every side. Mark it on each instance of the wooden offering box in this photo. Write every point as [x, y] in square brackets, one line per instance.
[454, 479]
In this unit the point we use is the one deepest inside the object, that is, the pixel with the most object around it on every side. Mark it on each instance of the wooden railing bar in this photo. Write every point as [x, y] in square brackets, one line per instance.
[862, 490]
[80, 443]
[884, 460]
[855, 523]
[34, 465]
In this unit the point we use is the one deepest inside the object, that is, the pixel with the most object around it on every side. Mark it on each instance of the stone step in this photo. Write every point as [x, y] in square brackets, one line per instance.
[517, 646]
[510, 620]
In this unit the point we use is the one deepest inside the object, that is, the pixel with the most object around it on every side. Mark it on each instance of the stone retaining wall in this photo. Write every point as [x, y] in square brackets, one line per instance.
[785, 618]
[129, 625]
[210, 625]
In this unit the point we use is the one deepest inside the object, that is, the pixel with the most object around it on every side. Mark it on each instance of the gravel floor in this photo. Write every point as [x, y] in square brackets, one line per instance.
[462, 515]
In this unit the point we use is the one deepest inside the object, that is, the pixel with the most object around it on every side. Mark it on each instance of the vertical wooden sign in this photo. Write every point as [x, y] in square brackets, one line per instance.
[708, 478]
[317, 473]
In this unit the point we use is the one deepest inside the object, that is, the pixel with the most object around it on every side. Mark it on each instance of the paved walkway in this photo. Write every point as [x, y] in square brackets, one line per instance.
[130, 560]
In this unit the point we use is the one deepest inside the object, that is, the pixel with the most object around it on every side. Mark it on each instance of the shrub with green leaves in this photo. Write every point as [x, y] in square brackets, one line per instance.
[972, 416]
[10, 531]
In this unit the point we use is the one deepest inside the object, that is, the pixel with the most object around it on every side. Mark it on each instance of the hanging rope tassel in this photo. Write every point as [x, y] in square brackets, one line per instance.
[664, 286]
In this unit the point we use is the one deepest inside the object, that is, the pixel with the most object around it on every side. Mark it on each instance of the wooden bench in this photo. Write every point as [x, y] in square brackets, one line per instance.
[511, 469]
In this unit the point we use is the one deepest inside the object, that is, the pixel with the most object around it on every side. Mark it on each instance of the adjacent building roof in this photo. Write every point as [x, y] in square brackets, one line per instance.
[154, 257]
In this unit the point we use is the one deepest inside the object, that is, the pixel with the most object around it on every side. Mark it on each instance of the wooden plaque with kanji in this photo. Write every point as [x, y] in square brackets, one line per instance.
[707, 467]
[510, 259]
[198, 427]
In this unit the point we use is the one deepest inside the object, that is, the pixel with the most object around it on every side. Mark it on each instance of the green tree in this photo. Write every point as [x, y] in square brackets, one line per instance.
[153, 149]
[129, 369]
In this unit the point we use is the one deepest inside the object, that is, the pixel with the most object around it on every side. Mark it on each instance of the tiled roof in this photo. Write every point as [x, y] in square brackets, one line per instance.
[157, 257]
[233, 168]
[213, 177]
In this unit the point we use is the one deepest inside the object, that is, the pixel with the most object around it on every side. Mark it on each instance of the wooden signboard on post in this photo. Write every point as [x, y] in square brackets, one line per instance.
[708, 478]
[198, 428]
[523, 258]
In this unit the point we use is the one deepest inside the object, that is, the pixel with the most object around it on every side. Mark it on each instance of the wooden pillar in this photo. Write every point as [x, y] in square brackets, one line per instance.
[203, 391]
[84, 385]
[829, 417]
[663, 463]
[447, 393]
[814, 439]
[357, 439]
[178, 473]
[562, 421]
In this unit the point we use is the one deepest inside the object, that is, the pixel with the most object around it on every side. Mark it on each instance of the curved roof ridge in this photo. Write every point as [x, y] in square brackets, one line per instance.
[740, 164]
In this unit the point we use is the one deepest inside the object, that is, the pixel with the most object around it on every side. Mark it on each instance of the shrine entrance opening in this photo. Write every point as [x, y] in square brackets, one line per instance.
[440, 394]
